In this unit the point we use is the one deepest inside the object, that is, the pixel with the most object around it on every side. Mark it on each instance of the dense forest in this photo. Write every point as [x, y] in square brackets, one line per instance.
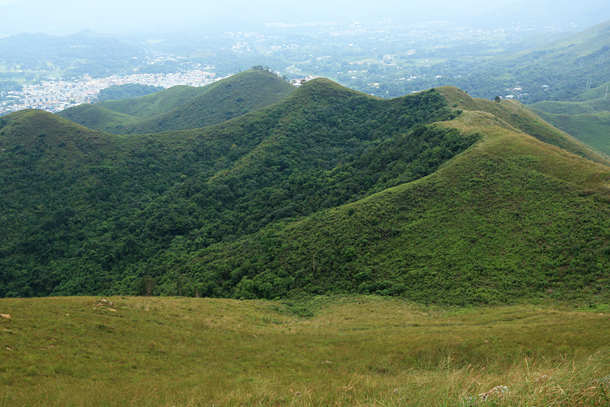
[84, 212]
[434, 196]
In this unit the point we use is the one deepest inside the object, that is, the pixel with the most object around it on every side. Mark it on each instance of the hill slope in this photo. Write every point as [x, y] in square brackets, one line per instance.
[183, 108]
[575, 68]
[511, 218]
[94, 116]
[592, 128]
[123, 196]
[81, 351]
[328, 190]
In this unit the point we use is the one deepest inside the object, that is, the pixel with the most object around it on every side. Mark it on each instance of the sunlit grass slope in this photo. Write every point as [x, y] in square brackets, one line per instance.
[99, 118]
[591, 128]
[342, 351]
[183, 107]
[515, 116]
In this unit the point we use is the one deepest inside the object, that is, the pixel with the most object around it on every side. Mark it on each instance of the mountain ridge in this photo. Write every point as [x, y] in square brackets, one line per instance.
[329, 190]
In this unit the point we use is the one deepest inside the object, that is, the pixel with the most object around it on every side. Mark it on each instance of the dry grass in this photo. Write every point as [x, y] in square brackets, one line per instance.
[354, 351]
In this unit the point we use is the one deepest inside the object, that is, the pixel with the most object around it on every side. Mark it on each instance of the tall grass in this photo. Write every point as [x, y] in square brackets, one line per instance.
[351, 351]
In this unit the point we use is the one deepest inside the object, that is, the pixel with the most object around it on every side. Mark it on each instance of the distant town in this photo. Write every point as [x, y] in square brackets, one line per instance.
[54, 96]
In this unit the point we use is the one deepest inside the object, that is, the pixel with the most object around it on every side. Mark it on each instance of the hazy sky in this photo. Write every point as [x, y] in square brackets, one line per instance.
[65, 16]
[257, 10]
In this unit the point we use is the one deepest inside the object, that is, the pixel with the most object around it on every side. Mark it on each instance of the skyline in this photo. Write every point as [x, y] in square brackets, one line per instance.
[131, 16]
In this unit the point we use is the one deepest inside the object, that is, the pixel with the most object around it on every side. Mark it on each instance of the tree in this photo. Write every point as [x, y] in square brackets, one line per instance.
[147, 286]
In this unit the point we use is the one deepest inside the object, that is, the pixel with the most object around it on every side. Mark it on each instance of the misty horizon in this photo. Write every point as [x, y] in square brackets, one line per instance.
[138, 16]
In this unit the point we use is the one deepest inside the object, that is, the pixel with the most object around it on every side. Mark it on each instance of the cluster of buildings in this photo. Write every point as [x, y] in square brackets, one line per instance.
[54, 96]
[301, 81]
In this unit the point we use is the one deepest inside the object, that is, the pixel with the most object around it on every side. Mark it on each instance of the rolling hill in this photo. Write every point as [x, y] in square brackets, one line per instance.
[437, 197]
[183, 107]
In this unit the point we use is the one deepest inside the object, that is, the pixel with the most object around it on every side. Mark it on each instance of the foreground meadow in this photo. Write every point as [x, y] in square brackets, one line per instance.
[339, 351]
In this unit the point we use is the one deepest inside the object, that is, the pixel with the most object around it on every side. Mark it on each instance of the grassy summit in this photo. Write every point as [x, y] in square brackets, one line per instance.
[183, 107]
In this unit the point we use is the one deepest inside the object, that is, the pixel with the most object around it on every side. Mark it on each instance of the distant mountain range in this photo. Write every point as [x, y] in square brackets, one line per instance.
[574, 68]
[437, 197]
[552, 14]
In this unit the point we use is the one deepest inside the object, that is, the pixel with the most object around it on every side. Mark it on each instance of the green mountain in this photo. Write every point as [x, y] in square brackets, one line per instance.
[579, 103]
[434, 196]
[576, 68]
[183, 107]
[153, 105]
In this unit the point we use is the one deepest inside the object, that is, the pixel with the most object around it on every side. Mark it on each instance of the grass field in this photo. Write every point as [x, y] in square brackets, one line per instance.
[340, 351]
[592, 129]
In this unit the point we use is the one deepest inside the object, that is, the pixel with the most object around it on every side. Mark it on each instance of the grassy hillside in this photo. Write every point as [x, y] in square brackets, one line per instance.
[511, 218]
[346, 351]
[574, 108]
[127, 91]
[587, 121]
[575, 68]
[183, 108]
[514, 116]
[242, 93]
[152, 105]
[583, 43]
[99, 118]
[593, 129]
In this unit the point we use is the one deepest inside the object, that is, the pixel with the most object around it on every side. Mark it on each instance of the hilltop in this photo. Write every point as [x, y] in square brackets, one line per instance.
[437, 197]
[184, 107]
[511, 218]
